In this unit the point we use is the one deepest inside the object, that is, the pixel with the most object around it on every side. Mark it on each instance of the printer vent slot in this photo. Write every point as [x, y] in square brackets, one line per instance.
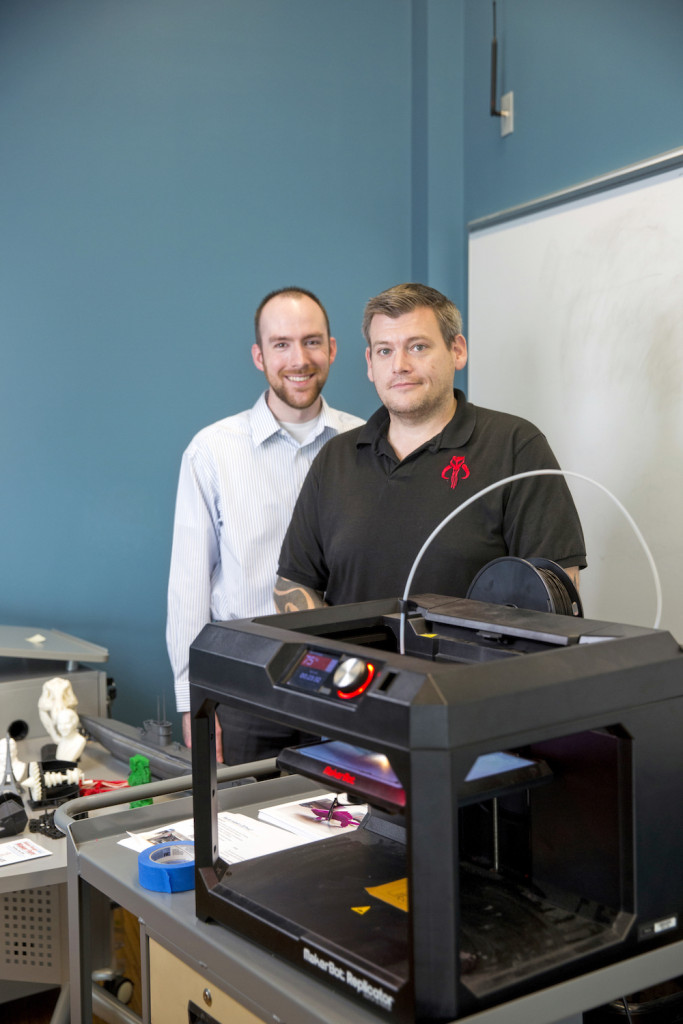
[385, 685]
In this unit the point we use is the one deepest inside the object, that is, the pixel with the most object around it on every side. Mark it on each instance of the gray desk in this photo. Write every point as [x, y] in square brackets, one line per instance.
[33, 910]
[33, 914]
[267, 988]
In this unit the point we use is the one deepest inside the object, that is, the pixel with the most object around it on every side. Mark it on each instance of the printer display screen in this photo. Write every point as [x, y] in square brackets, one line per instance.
[313, 671]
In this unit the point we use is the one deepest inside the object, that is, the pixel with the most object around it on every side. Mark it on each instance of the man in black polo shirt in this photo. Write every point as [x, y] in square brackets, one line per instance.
[374, 494]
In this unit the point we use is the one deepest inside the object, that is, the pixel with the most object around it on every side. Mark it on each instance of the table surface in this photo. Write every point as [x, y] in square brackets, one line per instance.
[269, 985]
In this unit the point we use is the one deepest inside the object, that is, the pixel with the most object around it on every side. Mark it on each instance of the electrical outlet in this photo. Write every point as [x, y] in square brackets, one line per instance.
[507, 109]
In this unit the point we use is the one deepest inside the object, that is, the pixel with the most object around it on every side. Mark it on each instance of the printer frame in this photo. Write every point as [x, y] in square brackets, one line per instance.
[601, 703]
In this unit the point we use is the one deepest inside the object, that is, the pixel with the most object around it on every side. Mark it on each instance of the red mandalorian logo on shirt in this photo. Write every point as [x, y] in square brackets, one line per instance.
[454, 469]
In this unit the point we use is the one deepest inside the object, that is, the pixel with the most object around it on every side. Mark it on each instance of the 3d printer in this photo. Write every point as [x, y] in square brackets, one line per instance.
[525, 772]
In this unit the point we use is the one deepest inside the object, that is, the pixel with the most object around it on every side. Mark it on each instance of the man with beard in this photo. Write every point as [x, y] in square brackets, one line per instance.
[375, 494]
[239, 480]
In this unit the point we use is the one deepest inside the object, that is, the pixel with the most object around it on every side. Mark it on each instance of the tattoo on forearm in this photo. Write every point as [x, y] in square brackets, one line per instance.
[573, 573]
[292, 597]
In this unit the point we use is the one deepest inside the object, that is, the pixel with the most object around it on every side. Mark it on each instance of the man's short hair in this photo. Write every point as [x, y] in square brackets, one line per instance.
[294, 292]
[404, 298]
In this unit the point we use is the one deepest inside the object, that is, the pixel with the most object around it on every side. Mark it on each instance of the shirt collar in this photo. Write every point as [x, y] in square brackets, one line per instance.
[455, 434]
[264, 424]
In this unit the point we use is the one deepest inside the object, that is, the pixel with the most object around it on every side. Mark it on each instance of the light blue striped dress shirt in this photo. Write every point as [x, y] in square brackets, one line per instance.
[239, 481]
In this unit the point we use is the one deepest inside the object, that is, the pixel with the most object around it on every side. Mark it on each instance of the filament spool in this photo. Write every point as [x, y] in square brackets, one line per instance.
[534, 583]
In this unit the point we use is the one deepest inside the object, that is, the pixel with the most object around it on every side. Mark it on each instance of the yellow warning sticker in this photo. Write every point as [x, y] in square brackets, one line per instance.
[394, 893]
[360, 910]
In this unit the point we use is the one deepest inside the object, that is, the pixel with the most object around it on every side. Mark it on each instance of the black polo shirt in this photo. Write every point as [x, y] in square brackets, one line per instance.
[363, 515]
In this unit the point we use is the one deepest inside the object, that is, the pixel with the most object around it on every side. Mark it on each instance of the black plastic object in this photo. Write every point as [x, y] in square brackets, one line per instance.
[45, 826]
[121, 988]
[534, 583]
[13, 816]
[18, 729]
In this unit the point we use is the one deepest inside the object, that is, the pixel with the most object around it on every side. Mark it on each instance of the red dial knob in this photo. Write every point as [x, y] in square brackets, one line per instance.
[353, 675]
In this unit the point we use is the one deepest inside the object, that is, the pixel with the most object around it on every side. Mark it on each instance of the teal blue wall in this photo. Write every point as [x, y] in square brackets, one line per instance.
[597, 86]
[166, 162]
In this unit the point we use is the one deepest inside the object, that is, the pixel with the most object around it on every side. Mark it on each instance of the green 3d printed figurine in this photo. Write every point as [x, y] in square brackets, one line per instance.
[138, 775]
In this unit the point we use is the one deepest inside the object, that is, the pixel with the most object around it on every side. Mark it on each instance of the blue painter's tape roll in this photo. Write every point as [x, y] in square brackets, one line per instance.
[168, 867]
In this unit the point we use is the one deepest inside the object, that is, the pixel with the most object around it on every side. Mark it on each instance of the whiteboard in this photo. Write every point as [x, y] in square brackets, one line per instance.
[576, 323]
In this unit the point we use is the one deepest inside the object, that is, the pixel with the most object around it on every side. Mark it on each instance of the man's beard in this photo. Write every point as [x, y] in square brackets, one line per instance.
[288, 394]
